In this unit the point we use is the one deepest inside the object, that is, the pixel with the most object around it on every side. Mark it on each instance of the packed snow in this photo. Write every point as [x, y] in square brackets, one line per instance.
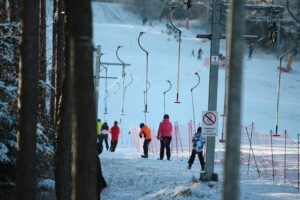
[130, 177]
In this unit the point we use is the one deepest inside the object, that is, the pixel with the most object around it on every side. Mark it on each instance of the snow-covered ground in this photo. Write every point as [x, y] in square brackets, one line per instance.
[129, 176]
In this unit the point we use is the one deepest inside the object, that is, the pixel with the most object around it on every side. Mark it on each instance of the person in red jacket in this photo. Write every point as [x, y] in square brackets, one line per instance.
[164, 134]
[114, 131]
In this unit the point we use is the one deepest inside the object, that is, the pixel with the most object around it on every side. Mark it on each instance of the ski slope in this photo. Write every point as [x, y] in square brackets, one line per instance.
[260, 77]
[130, 177]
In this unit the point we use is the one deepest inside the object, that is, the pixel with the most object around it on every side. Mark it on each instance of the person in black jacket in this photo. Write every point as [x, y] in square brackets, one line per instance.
[104, 135]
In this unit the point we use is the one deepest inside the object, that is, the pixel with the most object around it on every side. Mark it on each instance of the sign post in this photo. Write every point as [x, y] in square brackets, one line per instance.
[210, 123]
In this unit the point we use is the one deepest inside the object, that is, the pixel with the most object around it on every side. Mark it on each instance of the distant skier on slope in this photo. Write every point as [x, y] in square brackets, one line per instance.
[146, 133]
[251, 48]
[164, 134]
[199, 57]
[198, 144]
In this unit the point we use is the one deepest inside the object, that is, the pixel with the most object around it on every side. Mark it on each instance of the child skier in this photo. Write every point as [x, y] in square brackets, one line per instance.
[198, 144]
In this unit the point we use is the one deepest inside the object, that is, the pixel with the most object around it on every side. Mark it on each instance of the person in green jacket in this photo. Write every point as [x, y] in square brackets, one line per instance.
[99, 143]
[99, 125]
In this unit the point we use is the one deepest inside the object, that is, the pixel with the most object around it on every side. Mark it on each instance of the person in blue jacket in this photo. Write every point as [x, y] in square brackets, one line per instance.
[198, 145]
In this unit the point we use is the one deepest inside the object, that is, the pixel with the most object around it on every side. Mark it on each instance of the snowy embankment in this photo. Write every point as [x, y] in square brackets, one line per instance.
[130, 177]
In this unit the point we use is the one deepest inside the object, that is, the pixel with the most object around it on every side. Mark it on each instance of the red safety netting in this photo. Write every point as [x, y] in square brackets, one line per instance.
[263, 154]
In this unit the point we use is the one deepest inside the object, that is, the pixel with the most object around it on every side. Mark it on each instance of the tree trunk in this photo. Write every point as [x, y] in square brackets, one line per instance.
[60, 60]
[43, 65]
[27, 101]
[14, 10]
[83, 114]
[3, 12]
[63, 148]
[53, 71]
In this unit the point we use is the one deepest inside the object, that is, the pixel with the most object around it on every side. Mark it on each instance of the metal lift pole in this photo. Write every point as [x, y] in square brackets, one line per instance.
[172, 9]
[193, 99]
[170, 84]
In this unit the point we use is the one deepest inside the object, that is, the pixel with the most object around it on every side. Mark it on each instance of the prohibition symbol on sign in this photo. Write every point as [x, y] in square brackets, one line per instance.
[209, 118]
[210, 123]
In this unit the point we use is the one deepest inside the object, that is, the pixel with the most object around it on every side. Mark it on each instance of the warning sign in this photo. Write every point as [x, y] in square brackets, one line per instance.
[210, 123]
[214, 60]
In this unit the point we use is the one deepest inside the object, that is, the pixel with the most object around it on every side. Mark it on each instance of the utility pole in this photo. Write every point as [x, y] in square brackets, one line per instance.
[215, 37]
[209, 174]
[233, 129]
[97, 77]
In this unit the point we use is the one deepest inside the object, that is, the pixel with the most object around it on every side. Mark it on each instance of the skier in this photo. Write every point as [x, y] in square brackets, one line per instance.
[114, 130]
[99, 143]
[164, 134]
[99, 125]
[193, 53]
[250, 52]
[198, 144]
[104, 134]
[199, 54]
[144, 20]
[146, 133]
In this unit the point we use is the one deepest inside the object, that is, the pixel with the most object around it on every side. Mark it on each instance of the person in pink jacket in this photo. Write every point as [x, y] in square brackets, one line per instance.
[164, 134]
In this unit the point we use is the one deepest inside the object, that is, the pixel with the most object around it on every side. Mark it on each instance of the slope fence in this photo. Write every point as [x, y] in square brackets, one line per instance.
[269, 156]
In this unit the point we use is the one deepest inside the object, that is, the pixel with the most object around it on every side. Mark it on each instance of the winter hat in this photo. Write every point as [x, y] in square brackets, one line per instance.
[199, 129]
[142, 125]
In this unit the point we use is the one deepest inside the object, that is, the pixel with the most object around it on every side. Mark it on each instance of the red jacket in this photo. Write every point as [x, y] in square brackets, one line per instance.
[165, 128]
[115, 130]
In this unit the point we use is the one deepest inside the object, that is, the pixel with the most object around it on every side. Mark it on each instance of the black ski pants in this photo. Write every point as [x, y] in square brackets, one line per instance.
[165, 142]
[105, 138]
[200, 156]
[146, 145]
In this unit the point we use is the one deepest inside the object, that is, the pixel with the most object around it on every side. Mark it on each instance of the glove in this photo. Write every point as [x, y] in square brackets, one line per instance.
[140, 135]
[157, 137]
